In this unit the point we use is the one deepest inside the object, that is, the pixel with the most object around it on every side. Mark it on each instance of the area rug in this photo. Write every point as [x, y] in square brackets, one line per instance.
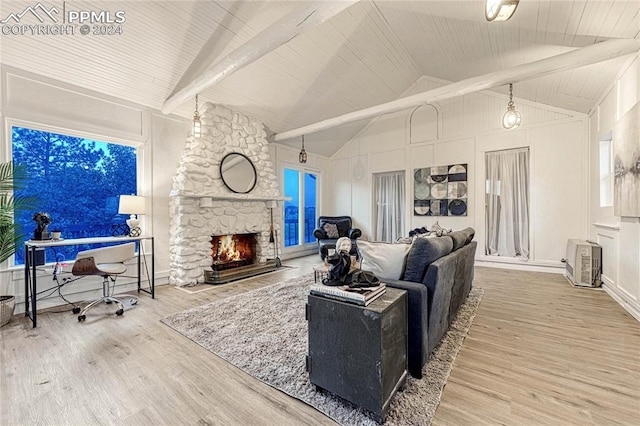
[264, 333]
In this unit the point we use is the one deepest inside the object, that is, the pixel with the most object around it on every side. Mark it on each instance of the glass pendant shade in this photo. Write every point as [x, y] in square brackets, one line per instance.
[302, 157]
[197, 124]
[499, 10]
[511, 118]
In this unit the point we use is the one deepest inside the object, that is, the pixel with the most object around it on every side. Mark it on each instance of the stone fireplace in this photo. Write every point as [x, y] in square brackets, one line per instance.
[202, 208]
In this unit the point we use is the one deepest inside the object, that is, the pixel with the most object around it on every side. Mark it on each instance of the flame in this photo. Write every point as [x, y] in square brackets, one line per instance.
[228, 249]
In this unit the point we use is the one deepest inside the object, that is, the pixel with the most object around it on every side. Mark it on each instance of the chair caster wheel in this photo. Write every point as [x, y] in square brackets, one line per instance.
[76, 310]
[82, 318]
[120, 312]
[108, 302]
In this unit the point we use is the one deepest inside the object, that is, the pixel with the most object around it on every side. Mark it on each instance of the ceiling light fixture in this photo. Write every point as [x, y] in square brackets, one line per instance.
[197, 124]
[499, 10]
[511, 118]
[302, 157]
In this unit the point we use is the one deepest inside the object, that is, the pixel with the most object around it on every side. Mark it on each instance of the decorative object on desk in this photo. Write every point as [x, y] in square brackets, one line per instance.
[56, 234]
[43, 220]
[133, 205]
[241, 329]
[119, 230]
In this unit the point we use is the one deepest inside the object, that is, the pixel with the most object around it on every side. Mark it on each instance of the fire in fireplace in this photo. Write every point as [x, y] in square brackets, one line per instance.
[232, 251]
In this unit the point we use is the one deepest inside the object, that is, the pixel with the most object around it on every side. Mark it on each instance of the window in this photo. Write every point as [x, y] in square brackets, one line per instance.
[606, 172]
[300, 212]
[389, 214]
[78, 181]
[507, 203]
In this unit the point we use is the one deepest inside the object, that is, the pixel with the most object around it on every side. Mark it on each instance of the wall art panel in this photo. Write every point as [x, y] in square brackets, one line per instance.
[440, 191]
[626, 151]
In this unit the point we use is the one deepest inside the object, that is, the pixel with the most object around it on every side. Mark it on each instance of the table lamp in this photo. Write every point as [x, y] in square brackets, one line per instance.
[133, 205]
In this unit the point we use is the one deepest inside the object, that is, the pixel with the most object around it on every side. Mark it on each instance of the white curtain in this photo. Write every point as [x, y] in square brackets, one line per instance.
[507, 203]
[389, 195]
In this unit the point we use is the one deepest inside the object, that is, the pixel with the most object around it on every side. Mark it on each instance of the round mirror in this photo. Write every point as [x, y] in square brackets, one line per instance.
[238, 173]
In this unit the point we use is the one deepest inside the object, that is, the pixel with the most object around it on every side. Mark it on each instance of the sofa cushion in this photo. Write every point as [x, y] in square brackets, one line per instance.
[423, 252]
[386, 260]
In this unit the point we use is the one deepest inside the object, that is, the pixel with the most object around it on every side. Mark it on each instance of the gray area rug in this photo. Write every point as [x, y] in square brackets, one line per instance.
[264, 333]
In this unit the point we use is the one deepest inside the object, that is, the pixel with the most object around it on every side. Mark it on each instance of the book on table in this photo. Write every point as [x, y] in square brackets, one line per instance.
[358, 295]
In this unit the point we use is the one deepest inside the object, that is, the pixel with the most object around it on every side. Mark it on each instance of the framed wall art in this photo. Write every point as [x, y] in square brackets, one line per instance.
[626, 164]
[440, 191]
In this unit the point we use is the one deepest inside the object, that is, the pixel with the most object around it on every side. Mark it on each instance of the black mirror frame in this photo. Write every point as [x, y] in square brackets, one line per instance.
[255, 173]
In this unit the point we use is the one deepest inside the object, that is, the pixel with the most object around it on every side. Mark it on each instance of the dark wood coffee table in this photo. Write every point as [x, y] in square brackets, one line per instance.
[359, 352]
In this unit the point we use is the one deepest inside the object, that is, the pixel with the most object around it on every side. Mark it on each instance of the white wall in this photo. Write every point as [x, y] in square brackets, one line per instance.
[619, 236]
[34, 100]
[466, 128]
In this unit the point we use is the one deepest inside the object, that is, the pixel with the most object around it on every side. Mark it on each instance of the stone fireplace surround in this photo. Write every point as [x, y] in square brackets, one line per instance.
[201, 206]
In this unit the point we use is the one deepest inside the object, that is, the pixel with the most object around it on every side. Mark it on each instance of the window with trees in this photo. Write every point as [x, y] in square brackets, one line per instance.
[77, 181]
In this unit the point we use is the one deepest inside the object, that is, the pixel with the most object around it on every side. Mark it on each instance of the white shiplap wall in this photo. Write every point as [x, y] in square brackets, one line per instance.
[470, 127]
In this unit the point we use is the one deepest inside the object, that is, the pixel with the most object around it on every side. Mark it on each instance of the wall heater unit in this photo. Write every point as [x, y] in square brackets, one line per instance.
[584, 263]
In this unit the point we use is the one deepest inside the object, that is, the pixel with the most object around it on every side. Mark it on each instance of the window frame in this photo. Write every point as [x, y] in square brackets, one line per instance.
[608, 138]
[301, 170]
[141, 160]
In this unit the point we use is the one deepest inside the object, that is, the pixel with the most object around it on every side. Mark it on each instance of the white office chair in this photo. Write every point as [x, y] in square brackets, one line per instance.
[108, 262]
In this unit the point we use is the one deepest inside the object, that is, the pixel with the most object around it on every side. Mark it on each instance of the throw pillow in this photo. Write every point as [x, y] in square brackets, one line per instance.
[385, 260]
[459, 239]
[331, 230]
[425, 251]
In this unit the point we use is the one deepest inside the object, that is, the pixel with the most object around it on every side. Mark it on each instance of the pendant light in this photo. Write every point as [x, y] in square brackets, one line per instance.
[511, 118]
[302, 157]
[499, 10]
[197, 124]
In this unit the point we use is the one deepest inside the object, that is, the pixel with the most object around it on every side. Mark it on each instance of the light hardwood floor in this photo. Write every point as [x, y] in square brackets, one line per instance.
[539, 352]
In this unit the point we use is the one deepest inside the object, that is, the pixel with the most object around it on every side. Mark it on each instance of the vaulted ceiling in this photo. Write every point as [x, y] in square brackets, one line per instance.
[370, 53]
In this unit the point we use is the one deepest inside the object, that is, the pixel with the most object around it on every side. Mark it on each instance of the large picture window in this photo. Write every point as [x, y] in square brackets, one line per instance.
[77, 181]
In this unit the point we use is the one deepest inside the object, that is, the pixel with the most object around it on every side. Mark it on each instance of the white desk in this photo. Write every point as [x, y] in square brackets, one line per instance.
[30, 277]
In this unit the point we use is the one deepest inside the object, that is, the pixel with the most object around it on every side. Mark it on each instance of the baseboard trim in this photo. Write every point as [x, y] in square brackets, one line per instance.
[631, 307]
[522, 266]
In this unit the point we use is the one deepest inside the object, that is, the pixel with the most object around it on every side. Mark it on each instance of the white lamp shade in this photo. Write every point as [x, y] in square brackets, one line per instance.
[132, 204]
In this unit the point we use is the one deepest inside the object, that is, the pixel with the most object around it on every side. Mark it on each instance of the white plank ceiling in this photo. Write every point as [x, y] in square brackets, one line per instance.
[369, 54]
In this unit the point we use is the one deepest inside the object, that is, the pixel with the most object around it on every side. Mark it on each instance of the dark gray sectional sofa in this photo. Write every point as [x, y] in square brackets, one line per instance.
[437, 277]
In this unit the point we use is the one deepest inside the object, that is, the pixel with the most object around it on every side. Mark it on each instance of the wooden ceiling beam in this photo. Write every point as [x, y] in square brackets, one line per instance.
[574, 59]
[287, 28]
